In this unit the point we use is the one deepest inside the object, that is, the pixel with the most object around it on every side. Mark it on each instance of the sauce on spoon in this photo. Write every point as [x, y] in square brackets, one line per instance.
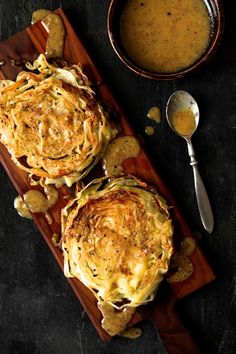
[184, 122]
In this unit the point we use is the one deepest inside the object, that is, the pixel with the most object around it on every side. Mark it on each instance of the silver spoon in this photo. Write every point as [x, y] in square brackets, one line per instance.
[182, 101]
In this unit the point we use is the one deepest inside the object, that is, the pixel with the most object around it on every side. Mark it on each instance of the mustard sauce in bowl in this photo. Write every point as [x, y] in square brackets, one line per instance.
[164, 36]
[165, 39]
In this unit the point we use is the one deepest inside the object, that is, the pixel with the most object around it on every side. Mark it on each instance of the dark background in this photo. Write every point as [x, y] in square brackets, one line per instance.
[38, 311]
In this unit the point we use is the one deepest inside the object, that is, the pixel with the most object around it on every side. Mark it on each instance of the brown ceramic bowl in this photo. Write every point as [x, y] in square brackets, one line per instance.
[216, 15]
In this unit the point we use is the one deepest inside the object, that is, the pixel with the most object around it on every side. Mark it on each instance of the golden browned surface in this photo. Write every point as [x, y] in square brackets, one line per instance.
[117, 240]
[52, 124]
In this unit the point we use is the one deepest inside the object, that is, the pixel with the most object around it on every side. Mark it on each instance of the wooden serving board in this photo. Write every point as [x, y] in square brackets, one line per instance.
[26, 45]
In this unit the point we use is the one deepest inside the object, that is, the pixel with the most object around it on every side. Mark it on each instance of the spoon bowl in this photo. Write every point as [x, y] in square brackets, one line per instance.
[181, 101]
[182, 115]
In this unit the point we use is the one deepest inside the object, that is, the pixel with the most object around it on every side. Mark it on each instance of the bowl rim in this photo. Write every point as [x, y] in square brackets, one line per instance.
[207, 55]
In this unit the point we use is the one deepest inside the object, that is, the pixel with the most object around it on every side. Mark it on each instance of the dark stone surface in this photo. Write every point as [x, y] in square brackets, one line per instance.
[38, 311]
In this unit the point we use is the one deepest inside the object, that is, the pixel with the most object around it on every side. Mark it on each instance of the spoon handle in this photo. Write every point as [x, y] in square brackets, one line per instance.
[204, 206]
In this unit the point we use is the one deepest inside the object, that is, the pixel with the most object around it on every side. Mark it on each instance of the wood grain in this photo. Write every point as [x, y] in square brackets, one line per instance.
[26, 45]
[175, 336]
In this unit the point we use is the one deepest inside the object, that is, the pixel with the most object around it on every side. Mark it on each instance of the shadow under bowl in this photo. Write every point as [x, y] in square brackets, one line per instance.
[216, 15]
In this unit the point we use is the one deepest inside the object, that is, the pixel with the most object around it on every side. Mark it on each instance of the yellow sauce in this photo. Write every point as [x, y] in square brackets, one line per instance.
[154, 113]
[56, 32]
[181, 261]
[21, 208]
[114, 321]
[56, 35]
[52, 195]
[132, 333]
[39, 14]
[149, 130]
[165, 35]
[119, 150]
[188, 246]
[35, 201]
[184, 122]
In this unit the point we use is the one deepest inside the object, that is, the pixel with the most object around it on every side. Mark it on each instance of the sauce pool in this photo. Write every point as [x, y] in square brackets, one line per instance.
[115, 322]
[165, 36]
[119, 150]
[35, 201]
[182, 262]
[183, 121]
[56, 32]
[132, 333]
[154, 113]
[149, 130]
[21, 208]
[39, 14]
